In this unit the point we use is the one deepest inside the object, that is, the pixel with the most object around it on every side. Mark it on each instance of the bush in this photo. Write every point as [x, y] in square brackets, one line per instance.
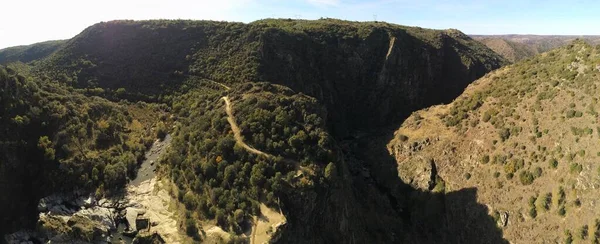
[190, 227]
[504, 134]
[562, 211]
[568, 237]
[543, 202]
[526, 177]
[161, 131]
[553, 163]
[583, 232]
[485, 159]
[575, 168]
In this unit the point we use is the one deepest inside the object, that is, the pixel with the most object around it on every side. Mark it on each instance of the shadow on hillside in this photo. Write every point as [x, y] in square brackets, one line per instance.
[427, 217]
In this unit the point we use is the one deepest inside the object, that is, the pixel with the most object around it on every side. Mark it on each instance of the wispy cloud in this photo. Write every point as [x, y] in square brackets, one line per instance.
[324, 3]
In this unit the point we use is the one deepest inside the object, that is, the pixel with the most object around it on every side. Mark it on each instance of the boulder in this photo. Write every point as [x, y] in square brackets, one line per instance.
[503, 219]
[104, 216]
[131, 216]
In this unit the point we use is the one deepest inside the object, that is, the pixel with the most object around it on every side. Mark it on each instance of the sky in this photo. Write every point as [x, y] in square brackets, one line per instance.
[29, 21]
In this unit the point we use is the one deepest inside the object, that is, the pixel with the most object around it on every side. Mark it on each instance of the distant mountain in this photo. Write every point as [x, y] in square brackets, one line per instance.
[29, 53]
[518, 47]
[513, 51]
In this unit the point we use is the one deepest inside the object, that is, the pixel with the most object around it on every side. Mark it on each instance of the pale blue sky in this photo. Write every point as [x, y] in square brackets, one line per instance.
[30, 21]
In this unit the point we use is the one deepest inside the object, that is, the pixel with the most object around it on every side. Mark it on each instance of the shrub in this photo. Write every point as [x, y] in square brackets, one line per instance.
[532, 212]
[526, 177]
[583, 232]
[562, 211]
[553, 163]
[568, 237]
[575, 168]
[543, 202]
[161, 131]
[190, 227]
[485, 159]
[504, 134]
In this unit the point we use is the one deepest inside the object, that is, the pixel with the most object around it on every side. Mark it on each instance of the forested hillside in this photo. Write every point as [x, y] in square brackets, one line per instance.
[54, 138]
[29, 53]
[359, 71]
[291, 114]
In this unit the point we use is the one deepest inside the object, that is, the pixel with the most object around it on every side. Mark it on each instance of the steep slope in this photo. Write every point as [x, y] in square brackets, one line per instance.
[29, 53]
[525, 138]
[513, 51]
[56, 139]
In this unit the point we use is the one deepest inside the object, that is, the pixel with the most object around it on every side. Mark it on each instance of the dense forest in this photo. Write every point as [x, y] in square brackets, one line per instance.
[56, 138]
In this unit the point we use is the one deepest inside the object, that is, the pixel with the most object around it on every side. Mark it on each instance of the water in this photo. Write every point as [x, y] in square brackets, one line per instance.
[148, 167]
[118, 237]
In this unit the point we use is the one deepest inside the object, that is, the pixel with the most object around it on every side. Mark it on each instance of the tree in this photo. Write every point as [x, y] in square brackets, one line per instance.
[161, 131]
[115, 175]
[45, 144]
[330, 171]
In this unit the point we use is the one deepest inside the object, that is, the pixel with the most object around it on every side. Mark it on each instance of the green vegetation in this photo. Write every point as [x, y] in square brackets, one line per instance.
[29, 53]
[55, 138]
[219, 179]
[583, 232]
[79, 117]
[526, 177]
[568, 237]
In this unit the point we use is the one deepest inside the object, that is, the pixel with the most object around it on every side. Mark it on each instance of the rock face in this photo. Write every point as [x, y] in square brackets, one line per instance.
[377, 79]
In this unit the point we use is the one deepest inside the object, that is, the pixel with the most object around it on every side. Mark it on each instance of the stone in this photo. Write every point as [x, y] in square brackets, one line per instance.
[88, 202]
[503, 219]
[104, 216]
[131, 216]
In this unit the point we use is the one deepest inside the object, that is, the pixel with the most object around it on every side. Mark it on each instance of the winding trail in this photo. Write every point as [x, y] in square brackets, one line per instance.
[274, 217]
[237, 133]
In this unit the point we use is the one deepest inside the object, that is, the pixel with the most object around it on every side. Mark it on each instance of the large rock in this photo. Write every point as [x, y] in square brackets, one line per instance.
[420, 175]
[104, 216]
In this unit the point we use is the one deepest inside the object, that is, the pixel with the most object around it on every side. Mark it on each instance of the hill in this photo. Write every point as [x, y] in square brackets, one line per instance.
[518, 47]
[282, 113]
[513, 51]
[351, 67]
[29, 53]
[524, 136]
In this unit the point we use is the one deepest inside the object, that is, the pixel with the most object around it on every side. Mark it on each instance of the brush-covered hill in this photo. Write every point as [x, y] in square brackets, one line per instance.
[518, 47]
[274, 113]
[29, 53]
[513, 51]
[526, 137]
